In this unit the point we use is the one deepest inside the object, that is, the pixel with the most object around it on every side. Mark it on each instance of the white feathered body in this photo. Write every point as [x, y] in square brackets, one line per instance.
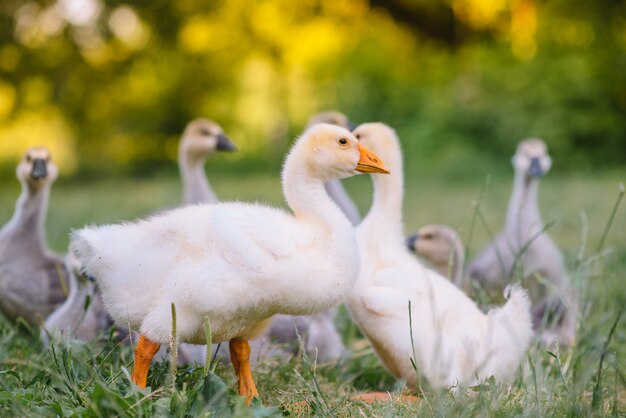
[453, 341]
[238, 264]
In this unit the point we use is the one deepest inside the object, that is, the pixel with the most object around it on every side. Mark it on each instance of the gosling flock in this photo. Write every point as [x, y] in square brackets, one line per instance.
[264, 277]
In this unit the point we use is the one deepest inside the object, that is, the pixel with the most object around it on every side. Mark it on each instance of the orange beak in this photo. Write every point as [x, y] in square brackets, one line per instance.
[370, 163]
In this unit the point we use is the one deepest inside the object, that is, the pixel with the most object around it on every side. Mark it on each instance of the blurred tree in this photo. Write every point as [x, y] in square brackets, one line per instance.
[111, 85]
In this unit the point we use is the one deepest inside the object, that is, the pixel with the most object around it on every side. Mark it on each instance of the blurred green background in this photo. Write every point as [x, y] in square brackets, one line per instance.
[109, 86]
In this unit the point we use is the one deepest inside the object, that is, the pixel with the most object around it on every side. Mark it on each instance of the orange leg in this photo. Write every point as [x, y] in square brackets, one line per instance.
[240, 357]
[144, 353]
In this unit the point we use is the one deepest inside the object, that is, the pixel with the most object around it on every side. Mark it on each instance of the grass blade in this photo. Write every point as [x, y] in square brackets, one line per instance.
[611, 217]
[597, 390]
[173, 347]
[209, 343]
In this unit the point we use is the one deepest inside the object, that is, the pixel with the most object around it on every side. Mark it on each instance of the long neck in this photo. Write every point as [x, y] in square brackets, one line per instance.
[308, 199]
[523, 213]
[387, 203]
[29, 217]
[196, 188]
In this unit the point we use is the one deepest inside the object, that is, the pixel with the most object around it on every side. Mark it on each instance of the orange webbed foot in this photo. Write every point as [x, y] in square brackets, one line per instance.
[144, 353]
[240, 357]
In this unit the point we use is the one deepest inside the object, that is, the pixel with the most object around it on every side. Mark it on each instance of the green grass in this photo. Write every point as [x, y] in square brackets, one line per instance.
[91, 379]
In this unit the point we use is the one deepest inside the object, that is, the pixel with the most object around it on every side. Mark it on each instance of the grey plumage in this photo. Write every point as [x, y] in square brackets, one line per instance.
[201, 138]
[33, 279]
[82, 316]
[523, 245]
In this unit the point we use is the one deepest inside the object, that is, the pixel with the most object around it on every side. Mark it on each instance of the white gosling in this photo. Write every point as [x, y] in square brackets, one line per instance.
[334, 187]
[235, 263]
[200, 139]
[318, 332]
[33, 279]
[555, 304]
[455, 343]
[442, 247]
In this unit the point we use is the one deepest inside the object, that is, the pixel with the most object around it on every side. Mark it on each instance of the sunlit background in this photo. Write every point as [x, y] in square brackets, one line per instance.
[109, 86]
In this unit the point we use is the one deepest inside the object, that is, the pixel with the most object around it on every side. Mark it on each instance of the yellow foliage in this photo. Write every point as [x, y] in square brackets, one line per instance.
[121, 148]
[256, 109]
[9, 57]
[45, 127]
[479, 13]
[35, 91]
[126, 25]
[316, 41]
[346, 8]
[200, 34]
[523, 28]
[7, 99]
[272, 23]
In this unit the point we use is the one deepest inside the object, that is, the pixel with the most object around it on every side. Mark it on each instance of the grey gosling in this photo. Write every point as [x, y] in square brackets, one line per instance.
[33, 279]
[442, 247]
[555, 304]
[200, 139]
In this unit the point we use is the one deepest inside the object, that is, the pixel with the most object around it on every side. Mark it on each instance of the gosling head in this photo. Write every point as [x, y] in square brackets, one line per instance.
[532, 158]
[382, 140]
[331, 117]
[203, 137]
[36, 168]
[442, 247]
[332, 152]
[434, 242]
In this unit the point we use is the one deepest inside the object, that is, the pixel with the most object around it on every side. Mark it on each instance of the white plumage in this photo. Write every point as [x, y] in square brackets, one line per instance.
[236, 263]
[318, 332]
[201, 138]
[455, 343]
[231, 261]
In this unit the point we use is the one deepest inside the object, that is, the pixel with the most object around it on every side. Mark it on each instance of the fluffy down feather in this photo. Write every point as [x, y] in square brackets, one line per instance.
[455, 343]
[236, 263]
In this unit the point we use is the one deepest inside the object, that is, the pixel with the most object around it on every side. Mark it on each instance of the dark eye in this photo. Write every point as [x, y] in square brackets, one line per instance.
[28, 158]
[358, 136]
[428, 236]
[205, 132]
[342, 141]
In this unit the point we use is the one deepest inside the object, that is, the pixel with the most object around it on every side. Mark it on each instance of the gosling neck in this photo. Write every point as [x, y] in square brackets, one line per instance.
[30, 213]
[196, 188]
[386, 207]
[523, 213]
[306, 196]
